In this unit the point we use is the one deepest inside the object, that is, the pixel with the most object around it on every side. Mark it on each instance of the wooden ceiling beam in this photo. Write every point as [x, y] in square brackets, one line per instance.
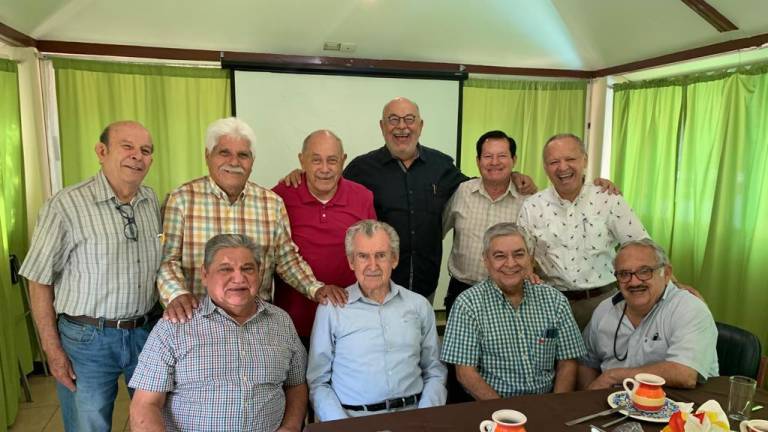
[13, 37]
[711, 15]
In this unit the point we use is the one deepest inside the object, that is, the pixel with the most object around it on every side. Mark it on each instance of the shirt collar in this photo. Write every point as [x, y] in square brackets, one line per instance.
[555, 197]
[339, 198]
[527, 291]
[354, 293]
[104, 191]
[383, 155]
[207, 308]
[219, 192]
[479, 188]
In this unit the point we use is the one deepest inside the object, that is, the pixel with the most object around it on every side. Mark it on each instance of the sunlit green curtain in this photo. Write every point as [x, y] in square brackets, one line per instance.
[528, 111]
[176, 104]
[719, 238]
[644, 152]
[15, 346]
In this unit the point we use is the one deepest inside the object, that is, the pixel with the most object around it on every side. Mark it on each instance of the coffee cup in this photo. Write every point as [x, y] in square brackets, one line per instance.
[753, 426]
[646, 393]
[505, 420]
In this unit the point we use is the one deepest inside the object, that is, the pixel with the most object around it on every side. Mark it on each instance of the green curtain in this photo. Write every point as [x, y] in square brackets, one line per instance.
[15, 342]
[719, 236]
[528, 111]
[175, 104]
[640, 117]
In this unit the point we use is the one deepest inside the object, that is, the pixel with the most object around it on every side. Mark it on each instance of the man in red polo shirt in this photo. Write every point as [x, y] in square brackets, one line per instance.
[320, 211]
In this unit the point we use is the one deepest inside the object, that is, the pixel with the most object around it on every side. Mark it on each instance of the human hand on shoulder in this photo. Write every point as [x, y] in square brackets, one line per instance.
[180, 309]
[524, 184]
[293, 179]
[607, 186]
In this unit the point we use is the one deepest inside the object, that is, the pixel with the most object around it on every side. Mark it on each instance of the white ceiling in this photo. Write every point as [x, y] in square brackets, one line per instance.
[559, 34]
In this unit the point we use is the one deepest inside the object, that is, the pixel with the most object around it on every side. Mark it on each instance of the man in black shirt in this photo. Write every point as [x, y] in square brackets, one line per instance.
[411, 184]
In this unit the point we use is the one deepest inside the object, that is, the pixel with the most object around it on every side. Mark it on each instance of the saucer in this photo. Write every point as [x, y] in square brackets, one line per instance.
[661, 416]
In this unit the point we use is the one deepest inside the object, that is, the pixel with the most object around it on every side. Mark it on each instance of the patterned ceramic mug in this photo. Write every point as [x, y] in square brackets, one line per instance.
[753, 426]
[646, 392]
[505, 420]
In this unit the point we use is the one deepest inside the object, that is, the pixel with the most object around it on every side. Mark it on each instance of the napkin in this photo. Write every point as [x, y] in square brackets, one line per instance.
[710, 417]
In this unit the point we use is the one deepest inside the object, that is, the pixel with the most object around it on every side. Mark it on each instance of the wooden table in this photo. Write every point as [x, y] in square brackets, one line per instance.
[547, 413]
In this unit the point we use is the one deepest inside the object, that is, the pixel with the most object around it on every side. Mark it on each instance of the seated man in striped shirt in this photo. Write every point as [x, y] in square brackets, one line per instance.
[237, 365]
[507, 336]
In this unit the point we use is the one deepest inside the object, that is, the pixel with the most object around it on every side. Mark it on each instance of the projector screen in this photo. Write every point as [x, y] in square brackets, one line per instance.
[283, 108]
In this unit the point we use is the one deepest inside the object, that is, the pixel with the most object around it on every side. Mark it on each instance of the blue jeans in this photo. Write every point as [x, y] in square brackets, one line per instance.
[99, 355]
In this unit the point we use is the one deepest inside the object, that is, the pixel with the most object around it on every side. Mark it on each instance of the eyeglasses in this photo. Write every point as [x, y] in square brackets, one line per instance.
[130, 229]
[394, 120]
[644, 274]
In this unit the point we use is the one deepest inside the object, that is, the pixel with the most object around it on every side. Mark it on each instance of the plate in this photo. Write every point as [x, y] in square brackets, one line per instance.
[660, 416]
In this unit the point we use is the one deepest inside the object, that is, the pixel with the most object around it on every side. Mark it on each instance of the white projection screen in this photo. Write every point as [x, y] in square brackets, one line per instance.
[283, 108]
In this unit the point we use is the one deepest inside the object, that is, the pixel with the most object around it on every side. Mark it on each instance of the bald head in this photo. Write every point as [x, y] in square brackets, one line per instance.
[401, 125]
[322, 159]
[322, 135]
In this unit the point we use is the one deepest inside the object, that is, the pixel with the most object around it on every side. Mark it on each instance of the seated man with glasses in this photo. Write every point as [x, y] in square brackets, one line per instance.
[91, 267]
[650, 326]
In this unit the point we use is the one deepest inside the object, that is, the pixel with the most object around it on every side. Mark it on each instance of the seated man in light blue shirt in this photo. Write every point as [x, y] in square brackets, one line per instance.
[650, 326]
[380, 352]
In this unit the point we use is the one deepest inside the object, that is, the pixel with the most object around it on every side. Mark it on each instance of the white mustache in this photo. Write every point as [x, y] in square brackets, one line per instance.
[233, 169]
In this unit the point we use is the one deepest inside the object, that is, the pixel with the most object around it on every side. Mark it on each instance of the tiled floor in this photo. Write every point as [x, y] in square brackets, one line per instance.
[42, 414]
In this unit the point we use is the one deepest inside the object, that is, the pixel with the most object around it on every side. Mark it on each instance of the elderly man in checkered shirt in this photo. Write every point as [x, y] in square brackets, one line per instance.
[237, 365]
[507, 336]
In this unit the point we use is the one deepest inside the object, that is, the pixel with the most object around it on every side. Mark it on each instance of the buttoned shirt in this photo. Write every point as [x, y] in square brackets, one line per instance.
[318, 229]
[220, 375]
[576, 241]
[412, 201]
[679, 328]
[80, 247]
[470, 212]
[367, 352]
[514, 349]
[200, 209]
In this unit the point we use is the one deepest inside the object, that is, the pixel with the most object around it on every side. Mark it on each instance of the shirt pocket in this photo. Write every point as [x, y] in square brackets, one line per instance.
[410, 329]
[544, 351]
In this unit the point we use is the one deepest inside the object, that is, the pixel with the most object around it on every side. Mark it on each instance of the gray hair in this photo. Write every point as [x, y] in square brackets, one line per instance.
[369, 227]
[229, 241]
[230, 126]
[661, 256]
[319, 132]
[504, 229]
[560, 136]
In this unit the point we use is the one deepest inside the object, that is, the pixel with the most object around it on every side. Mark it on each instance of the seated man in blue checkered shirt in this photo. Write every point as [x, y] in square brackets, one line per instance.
[237, 365]
[507, 336]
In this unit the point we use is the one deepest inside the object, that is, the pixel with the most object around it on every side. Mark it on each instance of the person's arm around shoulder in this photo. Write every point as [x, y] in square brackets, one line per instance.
[319, 369]
[146, 411]
[524, 184]
[433, 371]
[170, 278]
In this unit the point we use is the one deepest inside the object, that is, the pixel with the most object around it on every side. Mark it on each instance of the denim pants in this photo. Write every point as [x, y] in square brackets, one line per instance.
[99, 355]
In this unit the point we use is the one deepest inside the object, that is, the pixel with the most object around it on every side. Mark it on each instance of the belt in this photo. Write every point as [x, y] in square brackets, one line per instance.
[125, 324]
[387, 404]
[589, 293]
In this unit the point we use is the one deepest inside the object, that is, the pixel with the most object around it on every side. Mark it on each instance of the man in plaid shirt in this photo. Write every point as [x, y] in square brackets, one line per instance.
[237, 365]
[225, 201]
[507, 336]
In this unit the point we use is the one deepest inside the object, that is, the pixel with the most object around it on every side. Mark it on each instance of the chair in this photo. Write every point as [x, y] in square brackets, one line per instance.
[738, 351]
